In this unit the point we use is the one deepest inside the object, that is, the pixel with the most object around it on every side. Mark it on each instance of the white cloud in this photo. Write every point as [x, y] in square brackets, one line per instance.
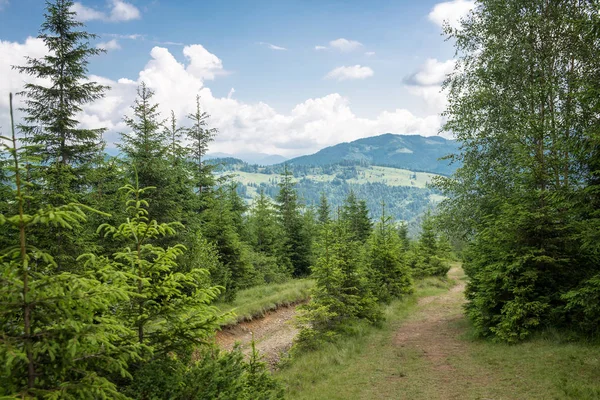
[122, 11]
[272, 46]
[427, 81]
[110, 45]
[119, 11]
[86, 13]
[369, 53]
[341, 44]
[12, 81]
[243, 127]
[134, 36]
[451, 12]
[353, 72]
[432, 72]
[345, 45]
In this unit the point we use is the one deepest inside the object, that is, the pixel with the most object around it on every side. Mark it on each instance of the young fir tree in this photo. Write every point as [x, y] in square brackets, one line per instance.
[171, 311]
[356, 213]
[266, 238]
[60, 337]
[298, 244]
[220, 230]
[403, 235]
[389, 274]
[65, 151]
[324, 210]
[200, 136]
[341, 294]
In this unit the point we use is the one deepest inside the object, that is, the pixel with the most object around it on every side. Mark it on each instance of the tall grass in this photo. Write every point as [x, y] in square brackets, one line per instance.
[256, 301]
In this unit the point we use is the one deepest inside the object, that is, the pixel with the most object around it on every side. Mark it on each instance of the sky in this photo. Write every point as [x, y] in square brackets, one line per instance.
[285, 77]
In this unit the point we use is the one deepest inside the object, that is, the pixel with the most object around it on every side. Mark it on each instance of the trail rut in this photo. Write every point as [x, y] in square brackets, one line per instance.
[273, 334]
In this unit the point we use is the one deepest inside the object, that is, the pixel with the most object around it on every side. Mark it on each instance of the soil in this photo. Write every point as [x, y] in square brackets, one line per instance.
[273, 334]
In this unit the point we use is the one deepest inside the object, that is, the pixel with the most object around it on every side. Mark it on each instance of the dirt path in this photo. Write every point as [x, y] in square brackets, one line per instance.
[433, 333]
[273, 334]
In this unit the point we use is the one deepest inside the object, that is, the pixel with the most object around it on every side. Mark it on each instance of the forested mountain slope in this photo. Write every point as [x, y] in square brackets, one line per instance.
[413, 152]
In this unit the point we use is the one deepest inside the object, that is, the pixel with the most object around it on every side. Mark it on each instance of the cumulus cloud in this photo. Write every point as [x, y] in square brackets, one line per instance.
[345, 45]
[451, 12]
[120, 11]
[243, 127]
[432, 72]
[427, 81]
[110, 45]
[352, 72]
[341, 44]
[272, 46]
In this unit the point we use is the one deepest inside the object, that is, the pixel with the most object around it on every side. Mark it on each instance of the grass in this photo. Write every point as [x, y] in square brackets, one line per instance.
[371, 365]
[343, 369]
[256, 301]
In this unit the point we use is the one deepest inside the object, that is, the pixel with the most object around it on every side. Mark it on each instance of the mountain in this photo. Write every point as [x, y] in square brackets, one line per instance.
[412, 152]
[251, 158]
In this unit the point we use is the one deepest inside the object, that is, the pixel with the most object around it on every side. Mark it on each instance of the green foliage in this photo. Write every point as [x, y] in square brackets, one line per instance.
[200, 136]
[523, 106]
[58, 336]
[171, 310]
[341, 293]
[219, 229]
[64, 149]
[389, 274]
[355, 213]
[427, 257]
[298, 243]
[213, 375]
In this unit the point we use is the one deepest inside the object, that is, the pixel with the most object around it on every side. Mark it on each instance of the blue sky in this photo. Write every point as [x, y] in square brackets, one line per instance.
[256, 65]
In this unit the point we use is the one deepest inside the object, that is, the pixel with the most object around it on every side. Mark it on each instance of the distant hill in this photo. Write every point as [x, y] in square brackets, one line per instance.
[412, 152]
[251, 158]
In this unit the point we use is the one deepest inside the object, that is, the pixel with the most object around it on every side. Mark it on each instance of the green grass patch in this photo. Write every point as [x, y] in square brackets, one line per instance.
[359, 363]
[256, 301]
[373, 364]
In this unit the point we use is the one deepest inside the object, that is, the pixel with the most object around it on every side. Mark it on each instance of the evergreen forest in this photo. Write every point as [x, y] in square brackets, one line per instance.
[120, 274]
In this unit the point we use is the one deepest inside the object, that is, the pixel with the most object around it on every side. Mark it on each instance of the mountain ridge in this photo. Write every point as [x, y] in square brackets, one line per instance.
[413, 152]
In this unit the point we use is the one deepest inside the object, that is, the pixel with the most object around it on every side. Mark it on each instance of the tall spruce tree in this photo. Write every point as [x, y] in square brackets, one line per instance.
[298, 243]
[324, 210]
[147, 147]
[200, 136]
[65, 150]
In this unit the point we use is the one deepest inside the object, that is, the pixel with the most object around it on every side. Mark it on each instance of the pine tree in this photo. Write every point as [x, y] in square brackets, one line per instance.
[389, 275]
[220, 230]
[324, 211]
[171, 310]
[65, 150]
[200, 136]
[341, 294]
[297, 242]
[147, 147]
[356, 213]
